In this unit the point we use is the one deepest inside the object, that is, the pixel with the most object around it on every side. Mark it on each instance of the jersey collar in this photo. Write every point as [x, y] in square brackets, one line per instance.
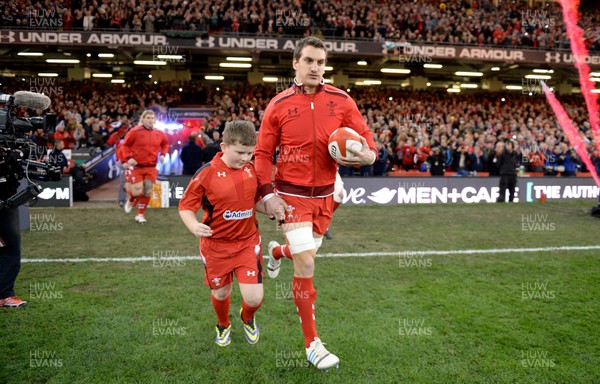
[299, 87]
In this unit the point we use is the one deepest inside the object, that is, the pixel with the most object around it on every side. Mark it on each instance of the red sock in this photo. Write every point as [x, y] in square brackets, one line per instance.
[304, 297]
[144, 200]
[222, 309]
[282, 251]
[134, 200]
[248, 311]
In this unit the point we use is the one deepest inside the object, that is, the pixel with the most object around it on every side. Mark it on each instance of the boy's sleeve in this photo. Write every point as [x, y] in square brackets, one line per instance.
[195, 191]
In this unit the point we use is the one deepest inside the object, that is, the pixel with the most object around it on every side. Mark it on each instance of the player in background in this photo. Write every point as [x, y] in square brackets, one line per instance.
[141, 148]
[277, 251]
[227, 190]
[300, 120]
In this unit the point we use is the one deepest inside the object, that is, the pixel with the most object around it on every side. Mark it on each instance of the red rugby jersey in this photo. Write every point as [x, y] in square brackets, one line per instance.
[227, 197]
[144, 145]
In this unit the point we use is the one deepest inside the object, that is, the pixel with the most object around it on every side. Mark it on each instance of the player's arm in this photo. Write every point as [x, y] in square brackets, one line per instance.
[368, 152]
[190, 204]
[268, 139]
[164, 147]
[193, 225]
[127, 148]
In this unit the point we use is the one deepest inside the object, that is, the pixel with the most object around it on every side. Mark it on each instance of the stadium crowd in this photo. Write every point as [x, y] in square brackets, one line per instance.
[510, 23]
[465, 129]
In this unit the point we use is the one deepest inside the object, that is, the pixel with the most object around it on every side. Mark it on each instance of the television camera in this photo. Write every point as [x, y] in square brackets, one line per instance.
[18, 154]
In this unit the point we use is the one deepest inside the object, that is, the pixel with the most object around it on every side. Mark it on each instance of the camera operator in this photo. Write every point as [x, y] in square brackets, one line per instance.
[18, 155]
[10, 241]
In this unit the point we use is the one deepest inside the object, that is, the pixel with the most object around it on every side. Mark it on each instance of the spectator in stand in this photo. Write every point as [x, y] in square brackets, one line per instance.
[569, 159]
[507, 164]
[553, 163]
[476, 161]
[149, 21]
[88, 20]
[63, 135]
[493, 167]
[381, 164]
[57, 157]
[80, 137]
[408, 154]
[437, 162]
[96, 138]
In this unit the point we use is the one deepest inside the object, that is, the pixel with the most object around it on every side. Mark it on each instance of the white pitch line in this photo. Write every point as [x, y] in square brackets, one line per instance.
[367, 254]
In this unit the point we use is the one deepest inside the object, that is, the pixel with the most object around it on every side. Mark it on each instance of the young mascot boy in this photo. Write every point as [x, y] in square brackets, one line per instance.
[227, 190]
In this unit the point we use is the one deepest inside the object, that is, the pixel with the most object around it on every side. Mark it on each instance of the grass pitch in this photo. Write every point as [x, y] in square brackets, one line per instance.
[414, 317]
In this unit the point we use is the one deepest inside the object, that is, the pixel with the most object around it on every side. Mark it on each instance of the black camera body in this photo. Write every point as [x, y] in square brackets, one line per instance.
[18, 156]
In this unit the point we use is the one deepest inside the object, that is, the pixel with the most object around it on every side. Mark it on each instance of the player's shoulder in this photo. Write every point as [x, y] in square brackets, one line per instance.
[202, 172]
[283, 96]
[335, 92]
[135, 129]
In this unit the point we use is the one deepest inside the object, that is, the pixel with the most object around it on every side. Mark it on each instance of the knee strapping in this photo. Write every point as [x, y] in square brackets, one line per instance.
[300, 240]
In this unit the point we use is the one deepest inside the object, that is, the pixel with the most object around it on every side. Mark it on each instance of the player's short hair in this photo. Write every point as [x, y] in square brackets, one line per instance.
[310, 40]
[240, 132]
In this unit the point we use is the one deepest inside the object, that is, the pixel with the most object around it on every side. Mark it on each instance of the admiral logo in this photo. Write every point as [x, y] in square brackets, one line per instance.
[238, 215]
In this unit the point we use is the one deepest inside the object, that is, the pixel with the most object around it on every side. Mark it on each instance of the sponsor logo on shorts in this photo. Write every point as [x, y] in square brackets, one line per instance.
[237, 215]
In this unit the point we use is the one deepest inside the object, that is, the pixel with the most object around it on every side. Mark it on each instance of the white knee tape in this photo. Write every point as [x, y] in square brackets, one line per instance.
[318, 242]
[339, 193]
[300, 239]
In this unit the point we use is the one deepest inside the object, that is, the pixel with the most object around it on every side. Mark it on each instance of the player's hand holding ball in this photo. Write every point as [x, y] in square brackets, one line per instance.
[348, 148]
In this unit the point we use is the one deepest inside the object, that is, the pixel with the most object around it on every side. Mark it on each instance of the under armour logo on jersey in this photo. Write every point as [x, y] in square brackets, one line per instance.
[251, 273]
[248, 171]
[216, 281]
[221, 174]
[550, 56]
[293, 112]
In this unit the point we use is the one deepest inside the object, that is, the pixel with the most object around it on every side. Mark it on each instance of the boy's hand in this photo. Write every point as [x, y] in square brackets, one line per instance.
[202, 230]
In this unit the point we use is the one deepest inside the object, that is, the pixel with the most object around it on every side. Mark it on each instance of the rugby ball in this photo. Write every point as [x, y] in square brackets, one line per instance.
[340, 140]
